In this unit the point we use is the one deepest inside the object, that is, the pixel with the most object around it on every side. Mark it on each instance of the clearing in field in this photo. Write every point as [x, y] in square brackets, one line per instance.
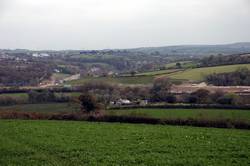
[82, 143]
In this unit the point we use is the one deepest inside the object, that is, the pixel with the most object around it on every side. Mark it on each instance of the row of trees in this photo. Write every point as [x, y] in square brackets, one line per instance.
[239, 77]
[105, 93]
[224, 60]
[46, 96]
[158, 92]
[19, 73]
[203, 96]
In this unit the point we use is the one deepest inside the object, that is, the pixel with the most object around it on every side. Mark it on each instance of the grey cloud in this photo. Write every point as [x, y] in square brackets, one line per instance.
[97, 24]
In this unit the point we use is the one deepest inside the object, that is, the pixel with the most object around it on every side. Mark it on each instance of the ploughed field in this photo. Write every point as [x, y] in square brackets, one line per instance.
[83, 143]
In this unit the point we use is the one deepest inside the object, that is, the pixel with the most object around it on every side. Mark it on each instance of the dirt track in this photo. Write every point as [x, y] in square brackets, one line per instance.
[189, 88]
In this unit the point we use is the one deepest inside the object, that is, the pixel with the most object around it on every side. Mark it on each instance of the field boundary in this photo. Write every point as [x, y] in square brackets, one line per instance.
[183, 106]
[222, 123]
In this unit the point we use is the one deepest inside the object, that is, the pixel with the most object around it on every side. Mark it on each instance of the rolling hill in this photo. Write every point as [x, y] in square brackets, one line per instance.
[197, 50]
[198, 74]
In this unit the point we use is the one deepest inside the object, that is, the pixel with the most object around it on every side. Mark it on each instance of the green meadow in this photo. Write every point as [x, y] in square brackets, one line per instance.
[198, 74]
[83, 143]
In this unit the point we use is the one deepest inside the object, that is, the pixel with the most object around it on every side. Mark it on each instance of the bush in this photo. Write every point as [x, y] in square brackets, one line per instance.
[88, 103]
[7, 101]
[201, 96]
[160, 89]
[191, 99]
[170, 98]
[41, 96]
[230, 99]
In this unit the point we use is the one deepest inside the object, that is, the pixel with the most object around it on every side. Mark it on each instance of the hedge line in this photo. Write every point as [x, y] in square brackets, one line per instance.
[218, 123]
[184, 106]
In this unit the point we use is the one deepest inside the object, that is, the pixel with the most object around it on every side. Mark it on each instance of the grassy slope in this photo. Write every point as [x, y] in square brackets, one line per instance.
[158, 72]
[187, 113]
[196, 74]
[184, 64]
[81, 143]
[119, 80]
[199, 73]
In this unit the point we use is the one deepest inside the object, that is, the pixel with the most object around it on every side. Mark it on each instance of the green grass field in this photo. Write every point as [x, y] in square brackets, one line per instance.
[15, 95]
[118, 80]
[82, 143]
[44, 108]
[158, 72]
[184, 64]
[231, 114]
[198, 74]
[217, 114]
[24, 96]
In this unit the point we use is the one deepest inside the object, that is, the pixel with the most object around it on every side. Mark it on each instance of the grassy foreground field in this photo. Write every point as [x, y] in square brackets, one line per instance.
[230, 114]
[82, 143]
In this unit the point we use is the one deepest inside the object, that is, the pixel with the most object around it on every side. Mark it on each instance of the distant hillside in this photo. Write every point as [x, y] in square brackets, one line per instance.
[197, 50]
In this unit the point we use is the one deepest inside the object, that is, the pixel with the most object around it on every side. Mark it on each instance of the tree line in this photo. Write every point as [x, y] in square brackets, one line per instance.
[21, 73]
[241, 77]
[105, 93]
[217, 60]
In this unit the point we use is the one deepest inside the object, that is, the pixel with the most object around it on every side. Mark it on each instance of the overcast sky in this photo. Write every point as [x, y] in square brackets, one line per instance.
[98, 24]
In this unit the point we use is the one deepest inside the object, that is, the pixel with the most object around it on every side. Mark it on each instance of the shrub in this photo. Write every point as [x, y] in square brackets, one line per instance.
[239, 77]
[88, 103]
[191, 99]
[229, 98]
[41, 96]
[201, 96]
[160, 89]
[170, 98]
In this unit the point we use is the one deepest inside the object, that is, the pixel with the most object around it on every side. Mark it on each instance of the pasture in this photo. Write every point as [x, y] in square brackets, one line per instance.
[25, 96]
[198, 74]
[188, 74]
[42, 108]
[184, 64]
[119, 80]
[83, 143]
[15, 95]
[158, 72]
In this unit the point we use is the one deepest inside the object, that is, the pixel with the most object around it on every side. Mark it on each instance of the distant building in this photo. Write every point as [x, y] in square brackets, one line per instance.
[40, 55]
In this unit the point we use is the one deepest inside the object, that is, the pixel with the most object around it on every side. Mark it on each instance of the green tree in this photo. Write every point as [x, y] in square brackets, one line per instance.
[160, 89]
[178, 65]
[88, 103]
